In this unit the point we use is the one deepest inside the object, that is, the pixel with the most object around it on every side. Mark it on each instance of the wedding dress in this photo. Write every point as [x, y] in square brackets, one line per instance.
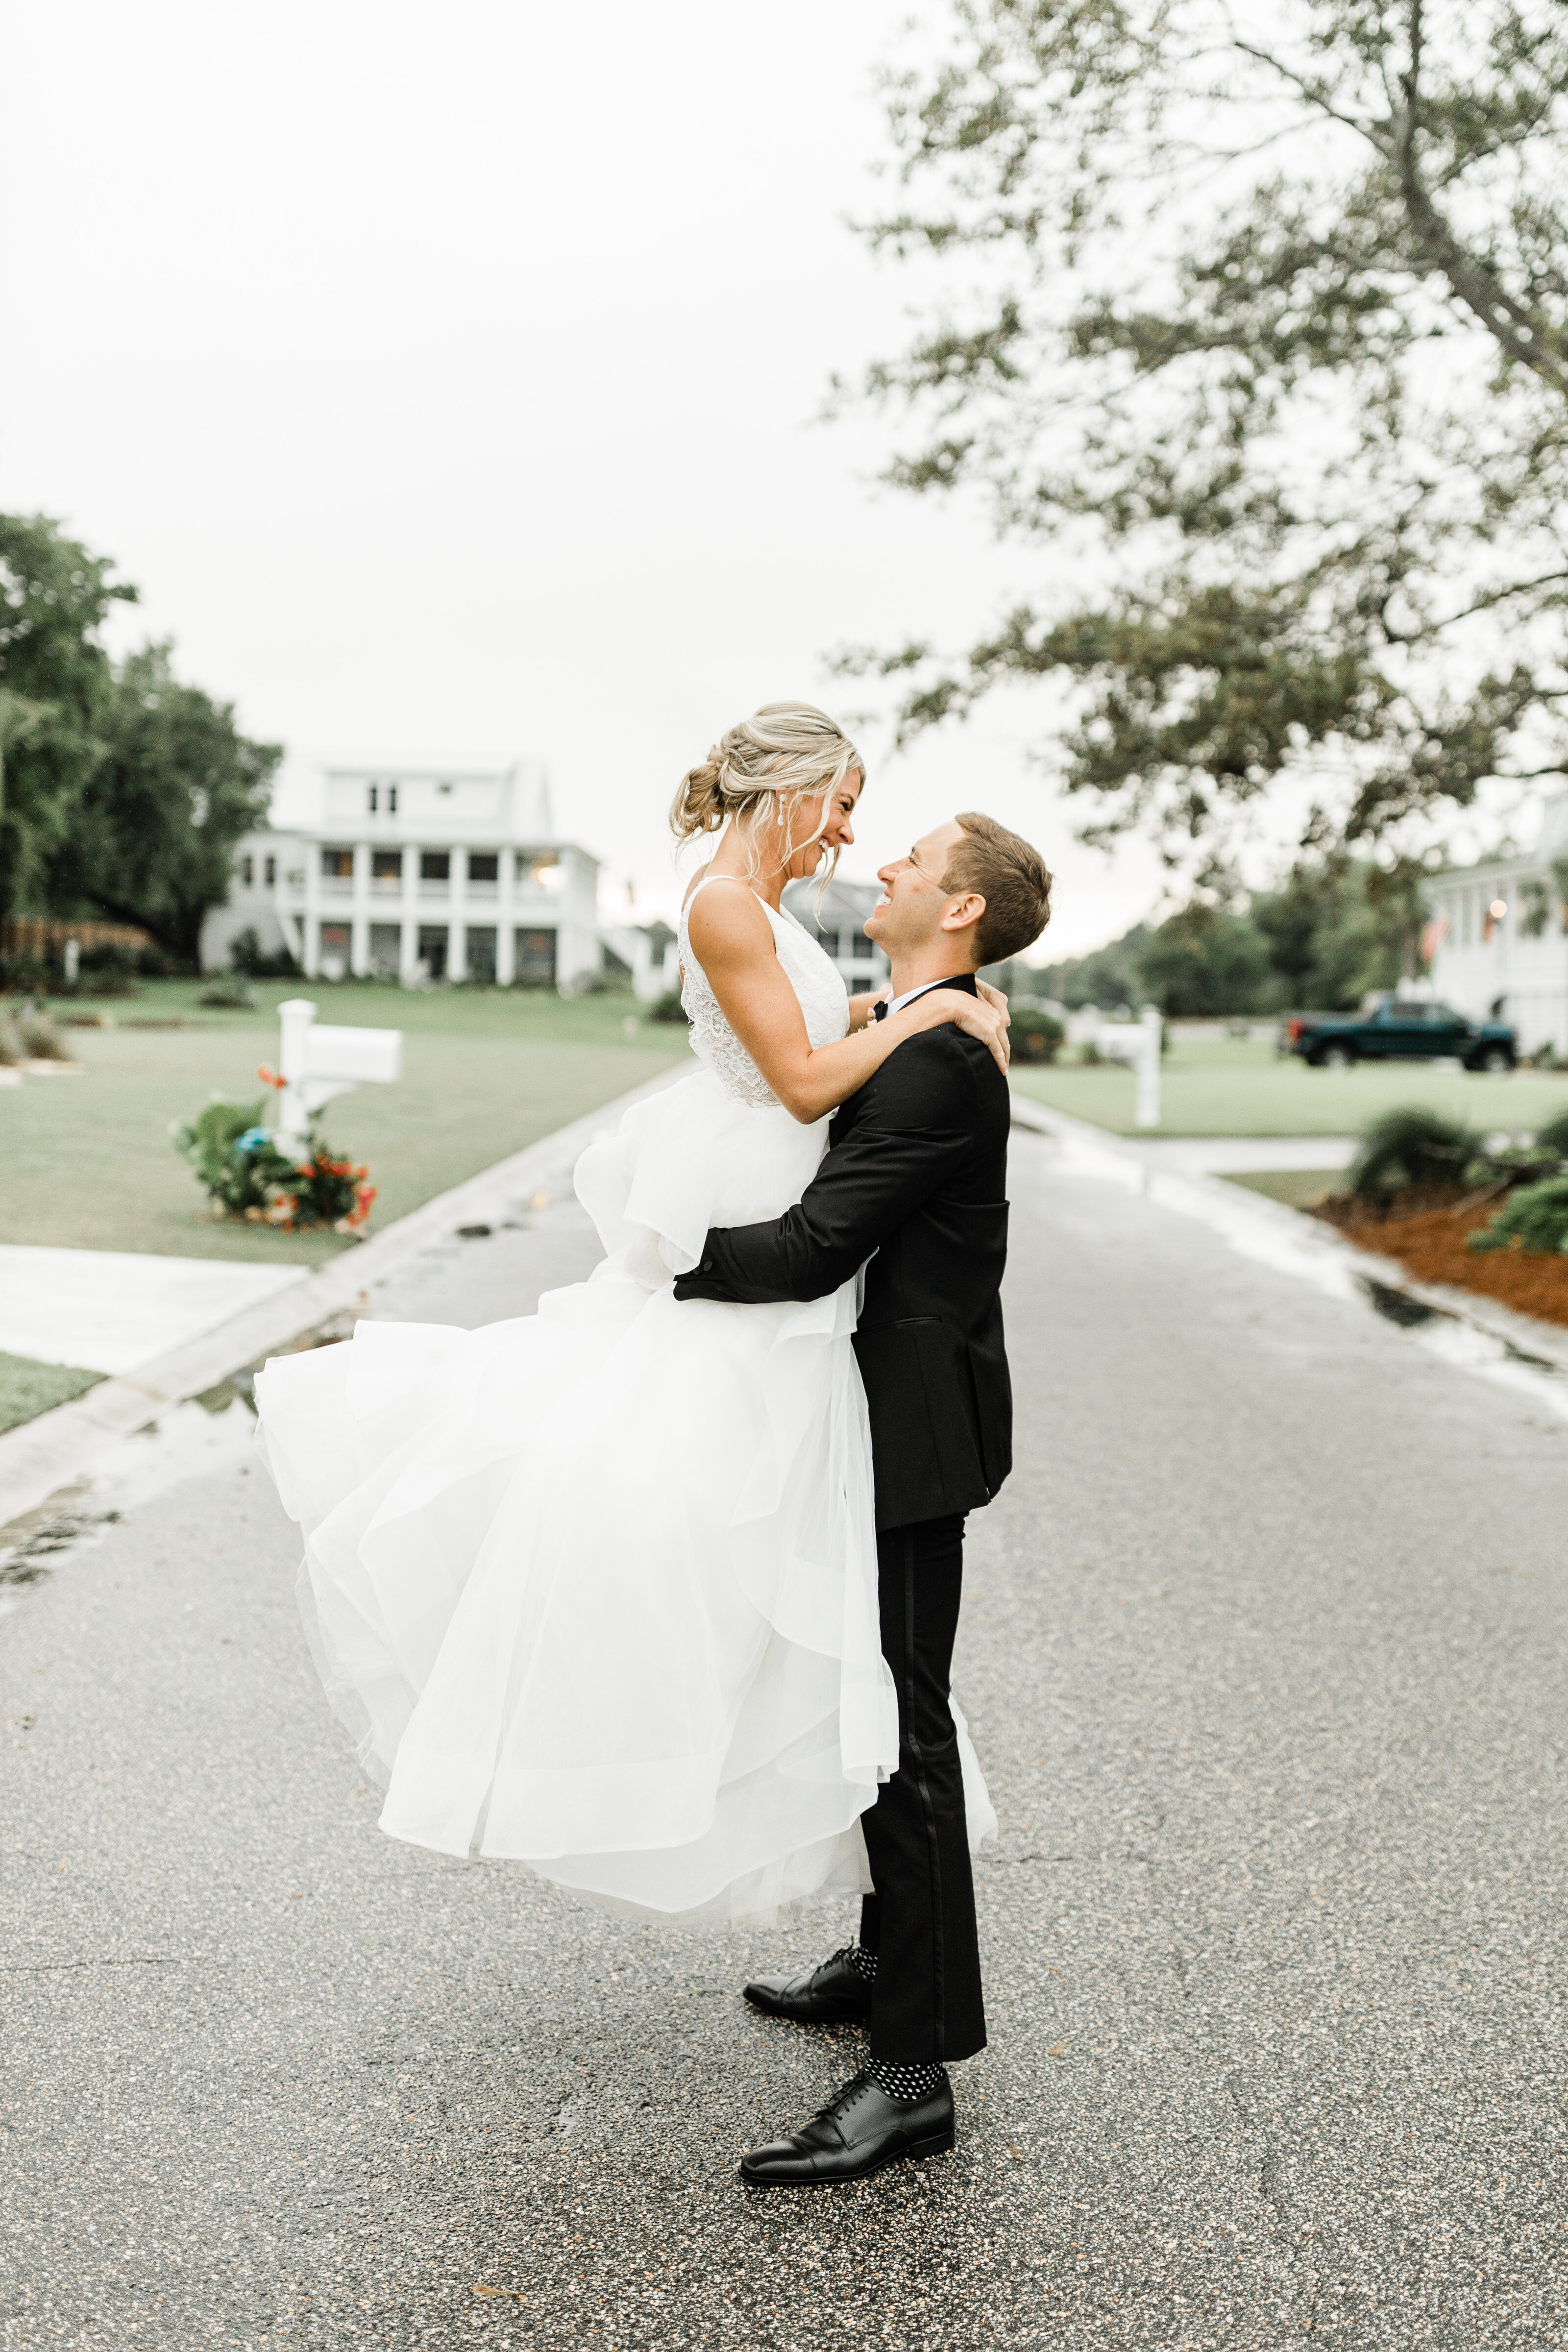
[595, 1590]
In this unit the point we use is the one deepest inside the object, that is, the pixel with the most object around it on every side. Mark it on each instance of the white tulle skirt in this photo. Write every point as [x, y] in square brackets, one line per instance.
[595, 1590]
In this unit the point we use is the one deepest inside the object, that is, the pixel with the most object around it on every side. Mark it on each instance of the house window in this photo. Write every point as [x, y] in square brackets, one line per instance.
[374, 797]
[435, 865]
[248, 871]
[539, 866]
[338, 865]
[391, 800]
[484, 866]
[271, 872]
[433, 949]
[386, 868]
[480, 952]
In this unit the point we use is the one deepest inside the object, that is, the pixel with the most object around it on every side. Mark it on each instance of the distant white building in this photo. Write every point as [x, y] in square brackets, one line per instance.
[425, 871]
[839, 925]
[1497, 937]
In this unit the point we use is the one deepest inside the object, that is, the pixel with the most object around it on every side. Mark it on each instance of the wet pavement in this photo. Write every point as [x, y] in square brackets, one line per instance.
[1264, 1648]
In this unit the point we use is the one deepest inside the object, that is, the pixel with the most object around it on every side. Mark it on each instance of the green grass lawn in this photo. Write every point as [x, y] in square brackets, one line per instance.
[1299, 1188]
[1225, 1086]
[87, 1162]
[28, 1389]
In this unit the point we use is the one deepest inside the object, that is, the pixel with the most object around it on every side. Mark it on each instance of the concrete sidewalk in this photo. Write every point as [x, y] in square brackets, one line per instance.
[1266, 1646]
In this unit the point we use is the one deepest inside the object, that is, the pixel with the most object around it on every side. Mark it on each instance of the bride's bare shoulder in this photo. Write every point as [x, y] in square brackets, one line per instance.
[725, 918]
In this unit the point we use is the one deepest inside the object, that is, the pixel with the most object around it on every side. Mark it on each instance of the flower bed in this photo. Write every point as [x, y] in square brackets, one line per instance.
[1428, 1235]
[245, 1174]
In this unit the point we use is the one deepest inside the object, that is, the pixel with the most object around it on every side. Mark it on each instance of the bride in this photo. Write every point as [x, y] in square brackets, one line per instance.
[595, 1589]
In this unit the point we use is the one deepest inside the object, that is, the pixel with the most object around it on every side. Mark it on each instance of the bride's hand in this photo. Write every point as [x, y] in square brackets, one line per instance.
[976, 1016]
[994, 998]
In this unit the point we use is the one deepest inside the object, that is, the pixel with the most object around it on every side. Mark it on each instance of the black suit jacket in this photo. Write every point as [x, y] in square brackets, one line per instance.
[917, 1173]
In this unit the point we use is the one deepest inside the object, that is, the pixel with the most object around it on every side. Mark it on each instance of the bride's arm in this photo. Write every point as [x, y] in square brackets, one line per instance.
[733, 941]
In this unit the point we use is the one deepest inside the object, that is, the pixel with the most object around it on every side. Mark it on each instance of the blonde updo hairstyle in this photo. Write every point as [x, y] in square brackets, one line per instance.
[784, 753]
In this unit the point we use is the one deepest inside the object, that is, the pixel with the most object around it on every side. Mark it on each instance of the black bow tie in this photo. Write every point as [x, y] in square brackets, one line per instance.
[879, 1010]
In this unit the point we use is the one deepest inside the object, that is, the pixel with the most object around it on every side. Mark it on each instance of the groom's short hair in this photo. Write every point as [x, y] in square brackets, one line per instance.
[1010, 876]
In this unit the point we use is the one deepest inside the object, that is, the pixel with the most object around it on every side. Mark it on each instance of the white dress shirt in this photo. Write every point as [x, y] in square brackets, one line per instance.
[896, 1003]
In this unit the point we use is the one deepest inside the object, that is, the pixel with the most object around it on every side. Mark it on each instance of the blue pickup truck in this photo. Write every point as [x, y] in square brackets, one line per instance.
[1401, 1029]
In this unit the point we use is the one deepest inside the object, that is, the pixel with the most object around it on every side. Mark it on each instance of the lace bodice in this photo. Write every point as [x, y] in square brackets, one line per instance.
[810, 972]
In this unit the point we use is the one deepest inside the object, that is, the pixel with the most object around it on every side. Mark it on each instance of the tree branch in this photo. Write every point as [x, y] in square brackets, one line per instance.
[1507, 320]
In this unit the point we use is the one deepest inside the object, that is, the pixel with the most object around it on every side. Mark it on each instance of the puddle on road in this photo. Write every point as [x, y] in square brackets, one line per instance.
[197, 1440]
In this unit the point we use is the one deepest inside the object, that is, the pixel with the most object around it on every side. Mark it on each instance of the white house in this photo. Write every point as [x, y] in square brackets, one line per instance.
[838, 925]
[1497, 937]
[430, 870]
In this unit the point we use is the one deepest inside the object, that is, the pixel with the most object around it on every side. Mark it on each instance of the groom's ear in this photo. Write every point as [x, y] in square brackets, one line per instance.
[962, 918]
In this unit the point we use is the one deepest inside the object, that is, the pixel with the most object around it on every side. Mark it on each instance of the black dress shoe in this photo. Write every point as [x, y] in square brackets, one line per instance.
[855, 2133]
[833, 1994]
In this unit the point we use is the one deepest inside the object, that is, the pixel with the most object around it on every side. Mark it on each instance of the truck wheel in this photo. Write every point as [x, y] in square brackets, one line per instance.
[1494, 1061]
[1334, 1057]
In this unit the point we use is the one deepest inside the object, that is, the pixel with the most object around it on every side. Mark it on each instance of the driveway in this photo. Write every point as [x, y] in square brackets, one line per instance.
[1265, 1652]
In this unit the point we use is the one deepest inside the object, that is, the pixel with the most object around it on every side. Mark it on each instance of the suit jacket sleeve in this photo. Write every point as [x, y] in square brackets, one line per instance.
[914, 1122]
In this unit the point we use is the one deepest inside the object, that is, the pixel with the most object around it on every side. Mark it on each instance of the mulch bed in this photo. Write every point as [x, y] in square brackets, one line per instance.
[1426, 1232]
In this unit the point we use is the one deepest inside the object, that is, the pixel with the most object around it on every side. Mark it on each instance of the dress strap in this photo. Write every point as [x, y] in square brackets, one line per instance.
[702, 885]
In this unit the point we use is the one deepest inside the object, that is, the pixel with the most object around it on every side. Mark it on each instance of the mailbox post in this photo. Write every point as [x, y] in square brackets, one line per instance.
[315, 1064]
[1146, 1112]
[1138, 1044]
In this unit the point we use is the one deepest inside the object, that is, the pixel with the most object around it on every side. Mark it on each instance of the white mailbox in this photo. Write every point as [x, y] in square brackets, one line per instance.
[1137, 1042]
[315, 1064]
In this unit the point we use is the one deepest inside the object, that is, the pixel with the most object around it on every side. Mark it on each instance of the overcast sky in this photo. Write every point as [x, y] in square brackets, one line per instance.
[445, 377]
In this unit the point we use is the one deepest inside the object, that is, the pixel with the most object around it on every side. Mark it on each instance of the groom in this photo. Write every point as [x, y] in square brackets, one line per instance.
[915, 1182]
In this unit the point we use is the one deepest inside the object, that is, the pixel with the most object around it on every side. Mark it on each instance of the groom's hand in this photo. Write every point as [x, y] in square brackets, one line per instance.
[704, 1280]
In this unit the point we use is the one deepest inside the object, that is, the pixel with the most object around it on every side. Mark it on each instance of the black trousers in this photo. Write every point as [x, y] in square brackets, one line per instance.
[927, 2004]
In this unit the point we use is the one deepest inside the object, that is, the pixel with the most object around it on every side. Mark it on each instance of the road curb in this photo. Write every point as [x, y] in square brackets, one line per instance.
[1297, 1244]
[57, 1450]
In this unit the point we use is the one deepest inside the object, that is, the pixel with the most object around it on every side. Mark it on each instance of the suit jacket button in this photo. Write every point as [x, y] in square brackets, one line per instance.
[707, 1265]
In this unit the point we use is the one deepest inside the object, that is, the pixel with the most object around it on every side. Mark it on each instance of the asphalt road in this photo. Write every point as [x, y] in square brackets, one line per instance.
[1265, 1652]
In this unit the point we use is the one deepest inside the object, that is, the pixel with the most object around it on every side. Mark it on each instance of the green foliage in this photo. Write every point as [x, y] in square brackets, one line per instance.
[1109, 976]
[122, 792]
[229, 993]
[1413, 1147]
[240, 1166]
[235, 1161]
[1534, 1218]
[1033, 1035]
[157, 819]
[1336, 929]
[1259, 324]
[1204, 960]
[668, 1007]
[54, 675]
[1553, 1136]
[321, 1190]
[249, 960]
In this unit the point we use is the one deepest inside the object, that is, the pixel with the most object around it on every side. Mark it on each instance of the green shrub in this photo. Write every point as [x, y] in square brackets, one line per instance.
[1553, 1136]
[1413, 1147]
[229, 994]
[1036, 1036]
[41, 1041]
[239, 1165]
[668, 1007]
[1534, 1218]
[236, 1162]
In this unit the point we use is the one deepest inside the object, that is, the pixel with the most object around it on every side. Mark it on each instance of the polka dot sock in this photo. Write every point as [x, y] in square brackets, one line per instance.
[905, 2082]
[864, 1963]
